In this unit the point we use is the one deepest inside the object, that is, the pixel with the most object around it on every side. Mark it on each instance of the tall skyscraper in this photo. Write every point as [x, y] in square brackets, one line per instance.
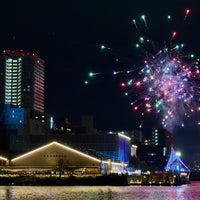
[22, 80]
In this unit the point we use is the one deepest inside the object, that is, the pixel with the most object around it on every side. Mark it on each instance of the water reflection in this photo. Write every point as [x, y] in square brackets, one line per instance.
[184, 192]
[8, 194]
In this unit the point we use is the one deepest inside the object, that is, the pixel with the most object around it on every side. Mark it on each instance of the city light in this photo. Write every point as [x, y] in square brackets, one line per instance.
[178, 153]
[58, 144]
[64, 147]
[124, 136]
[2, 158]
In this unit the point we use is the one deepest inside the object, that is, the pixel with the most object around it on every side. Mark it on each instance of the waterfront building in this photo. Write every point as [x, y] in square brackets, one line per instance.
[175, 163]
[55, 156]
[115, 147]
[3, 161]
[179, 169]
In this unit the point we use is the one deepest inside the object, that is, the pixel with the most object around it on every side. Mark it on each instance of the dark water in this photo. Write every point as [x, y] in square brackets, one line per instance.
[191, 191]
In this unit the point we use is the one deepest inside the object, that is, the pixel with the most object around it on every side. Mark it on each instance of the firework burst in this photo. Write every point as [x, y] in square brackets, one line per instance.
[167, 81]
[167, 85]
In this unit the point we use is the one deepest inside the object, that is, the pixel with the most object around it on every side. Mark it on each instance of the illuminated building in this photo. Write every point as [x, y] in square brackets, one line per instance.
[115, 147]
[124, 148]
[3, 161]
[22, 80]
[22, 83]
[50, 155]
[133, 150]
[176, 165]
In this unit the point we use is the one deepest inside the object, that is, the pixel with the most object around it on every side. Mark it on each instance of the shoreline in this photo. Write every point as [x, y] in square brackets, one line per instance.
[91, 180]
[111, 180]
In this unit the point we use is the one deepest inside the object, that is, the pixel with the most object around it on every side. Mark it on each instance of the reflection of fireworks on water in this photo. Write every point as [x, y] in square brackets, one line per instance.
[167, 81]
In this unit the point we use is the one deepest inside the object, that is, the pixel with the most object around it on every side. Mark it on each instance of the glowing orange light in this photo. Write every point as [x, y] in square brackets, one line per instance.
[2, 158]
[63, 146]
[53, 143]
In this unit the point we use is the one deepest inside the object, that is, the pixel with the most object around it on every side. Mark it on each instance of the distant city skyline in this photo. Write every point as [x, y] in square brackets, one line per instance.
[68, 37]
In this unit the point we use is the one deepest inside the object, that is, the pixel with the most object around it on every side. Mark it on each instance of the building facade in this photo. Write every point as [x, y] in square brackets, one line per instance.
[22, 79]
[115, 147]
[11, 117]
[156, 151]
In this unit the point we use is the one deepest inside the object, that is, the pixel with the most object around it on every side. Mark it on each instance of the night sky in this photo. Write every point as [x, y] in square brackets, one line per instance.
[68, 35]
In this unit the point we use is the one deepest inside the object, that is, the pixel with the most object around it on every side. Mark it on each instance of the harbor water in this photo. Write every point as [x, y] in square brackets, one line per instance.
[183, 192]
